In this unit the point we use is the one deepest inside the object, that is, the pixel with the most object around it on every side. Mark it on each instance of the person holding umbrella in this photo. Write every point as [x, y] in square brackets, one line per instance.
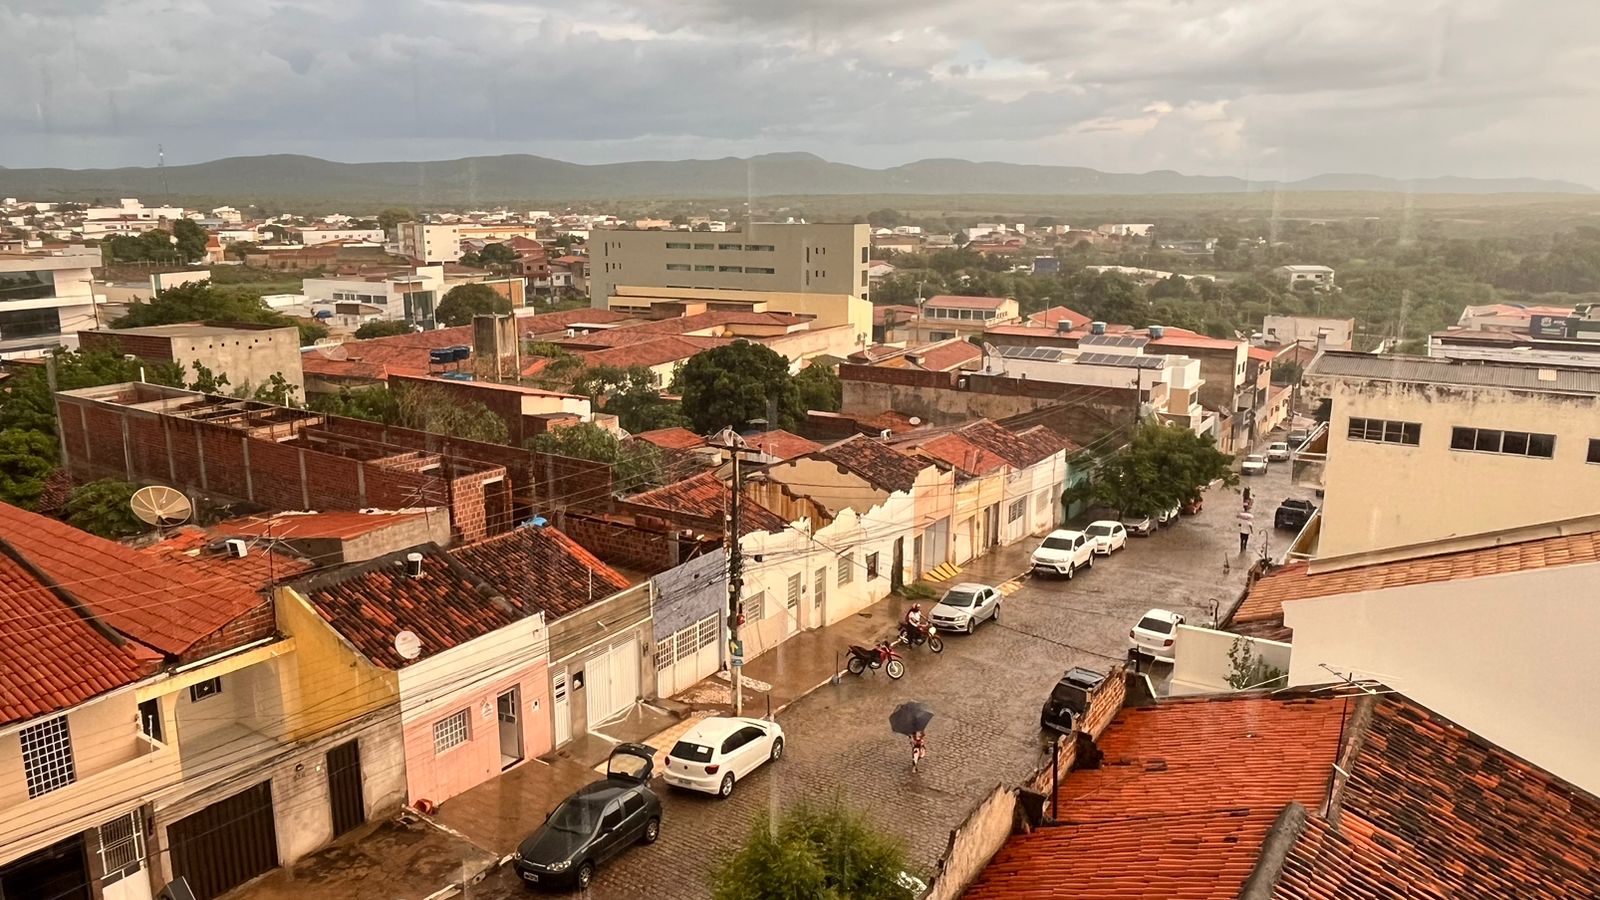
[911, 719]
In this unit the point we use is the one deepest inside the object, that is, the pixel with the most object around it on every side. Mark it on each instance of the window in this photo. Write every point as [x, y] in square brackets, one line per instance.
[1594, 450]
[208, 688]
[730, 246]
[754, 607]
[1383, 431]
[150, 719]
[863, 279]
[872, 566]
[450, 733]
[759, 270]
[768, 248]
[705, 246]
[865, 255]
[1017, 510]
[700, 268]
[819, 588]
[678, 267]
[47, 756]
[631, 804]
[677, 246]
[1041, 502]
[795, 590]
[26, 323]
[1514, 443]
[847, 568]
[27, 285]
[730, 268]
[611, 819]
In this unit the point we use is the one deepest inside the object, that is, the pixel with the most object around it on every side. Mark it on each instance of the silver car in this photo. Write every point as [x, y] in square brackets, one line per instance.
[964, 606]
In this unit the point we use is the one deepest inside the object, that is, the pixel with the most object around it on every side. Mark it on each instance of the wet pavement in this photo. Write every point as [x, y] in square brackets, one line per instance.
[400, 859]
[986, 691]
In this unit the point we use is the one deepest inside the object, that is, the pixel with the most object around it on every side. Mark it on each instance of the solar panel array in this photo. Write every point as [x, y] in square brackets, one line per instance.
[1125, 360]
[1113, 340]
[1048, 354]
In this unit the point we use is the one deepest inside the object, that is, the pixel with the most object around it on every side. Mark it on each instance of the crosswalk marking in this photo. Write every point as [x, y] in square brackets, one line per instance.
[942, 572]
[1010, 587]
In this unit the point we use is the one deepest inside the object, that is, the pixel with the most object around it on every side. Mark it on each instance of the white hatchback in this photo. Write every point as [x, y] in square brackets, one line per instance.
[1254, 464]
[1278, 451]
[1154, 634]
[721, 750]
[1108, 536]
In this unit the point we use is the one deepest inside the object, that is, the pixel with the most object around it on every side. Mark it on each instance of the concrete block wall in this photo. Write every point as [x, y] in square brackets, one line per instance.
[254, 625]
[884, 375]
[621, 544]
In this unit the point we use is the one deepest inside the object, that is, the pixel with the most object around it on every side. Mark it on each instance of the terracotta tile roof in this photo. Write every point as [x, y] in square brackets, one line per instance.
[1265, 600]
[1188, 856]
[1019, 448]
[715, 318]
[543, 569]
[781, 444]
[371, 602]
[874, 461]
[1182, 339]
[1207, 755]
[705, 496]
[407, 354]
[962, 454]
[1053, 316]
[902, 314]
[674, 438]
[51, 656]
[953, 301]
[660, 351]
[155, 602]
[1431, 810]
[330, 524]
[1038, 332]
[1263, 354]
[946, 355]
[258, 570]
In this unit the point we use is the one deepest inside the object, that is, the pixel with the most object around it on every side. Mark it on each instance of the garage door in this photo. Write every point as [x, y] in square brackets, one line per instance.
[611, 681]
[227, 843]
[686, 656]
[934, 544]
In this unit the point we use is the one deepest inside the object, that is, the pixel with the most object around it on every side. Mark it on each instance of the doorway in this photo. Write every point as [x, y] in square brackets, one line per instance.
[344, 787]
[507, 705]
[897, 575]
[559, 708]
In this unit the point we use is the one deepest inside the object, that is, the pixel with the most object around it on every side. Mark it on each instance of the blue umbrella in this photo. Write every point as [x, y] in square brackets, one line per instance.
[910, 718]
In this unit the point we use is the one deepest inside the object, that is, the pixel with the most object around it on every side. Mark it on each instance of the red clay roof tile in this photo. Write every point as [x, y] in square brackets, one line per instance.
[705, 496]
[876, 462]
[781, 444]
[674, 438]
[542, 568]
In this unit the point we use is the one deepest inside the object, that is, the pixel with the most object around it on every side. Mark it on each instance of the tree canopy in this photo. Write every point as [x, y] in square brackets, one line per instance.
[631, 395]
[814, 853]
[423, 407]
[378, 328]
[464, 301]
[203, 301]
[497, 255]
[393, 216]
[819, 388]
[635, 465]
[728, 386]
[101, 508]
[1161, 467]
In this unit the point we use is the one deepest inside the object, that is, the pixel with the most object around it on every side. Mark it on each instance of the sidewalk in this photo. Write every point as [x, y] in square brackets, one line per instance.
[402, 858]
[499, 813]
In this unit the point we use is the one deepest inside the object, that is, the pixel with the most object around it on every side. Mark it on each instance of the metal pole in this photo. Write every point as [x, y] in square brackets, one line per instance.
[735, 585]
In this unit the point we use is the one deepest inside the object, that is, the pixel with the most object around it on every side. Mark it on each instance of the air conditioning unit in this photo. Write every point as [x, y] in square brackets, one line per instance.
[235, 548]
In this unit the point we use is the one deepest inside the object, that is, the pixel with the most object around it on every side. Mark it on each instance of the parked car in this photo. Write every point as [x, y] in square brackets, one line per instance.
[1193, 505]
[1154, 633]
[596, 823]
[1069, 699]
[721, 750]
[1108, 536]
[1293, 513]
[1297, 437]
[1063, 552]
[1254, 464]
[964, 606]
[1168, 516]
[1278, 451]
[1137, 525]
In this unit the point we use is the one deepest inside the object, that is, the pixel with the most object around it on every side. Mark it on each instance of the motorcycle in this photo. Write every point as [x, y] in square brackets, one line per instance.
[882, 656]
[911, 636]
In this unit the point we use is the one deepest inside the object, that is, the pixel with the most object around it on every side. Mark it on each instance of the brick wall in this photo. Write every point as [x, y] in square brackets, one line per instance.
[254, 625]
[886, 375]
[622, 544]
[144, 346]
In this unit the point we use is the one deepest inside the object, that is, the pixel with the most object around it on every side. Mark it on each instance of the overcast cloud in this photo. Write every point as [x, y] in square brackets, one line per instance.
[1259, 88]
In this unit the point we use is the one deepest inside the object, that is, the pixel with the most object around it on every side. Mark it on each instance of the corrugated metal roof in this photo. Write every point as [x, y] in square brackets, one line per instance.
[1430, 370]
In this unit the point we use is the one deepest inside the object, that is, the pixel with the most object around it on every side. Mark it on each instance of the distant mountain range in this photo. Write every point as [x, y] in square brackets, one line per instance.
[521, 178]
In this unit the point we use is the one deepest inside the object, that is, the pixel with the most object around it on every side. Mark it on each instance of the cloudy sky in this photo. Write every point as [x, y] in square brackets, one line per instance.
[1259, 88]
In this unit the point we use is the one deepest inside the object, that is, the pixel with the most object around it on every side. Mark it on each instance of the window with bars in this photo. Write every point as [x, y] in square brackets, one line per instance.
[1018, 509]
[796, 588]
[122, 845]
[150, 719]
[819, 588]
[47, 756]
[847, 567]
[1041, 502]
[872, 566]
[1383, 431]
[1493, 440]
[203, 689]
[707, 631]
[450, 733]
[754, 607]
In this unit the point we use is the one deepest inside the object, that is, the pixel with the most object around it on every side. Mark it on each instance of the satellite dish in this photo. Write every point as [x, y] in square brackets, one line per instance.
[408, 645]
[160, 506]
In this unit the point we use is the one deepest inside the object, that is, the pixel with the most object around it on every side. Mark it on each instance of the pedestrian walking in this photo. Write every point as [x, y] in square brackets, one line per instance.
[919, 749]
[1246, 523]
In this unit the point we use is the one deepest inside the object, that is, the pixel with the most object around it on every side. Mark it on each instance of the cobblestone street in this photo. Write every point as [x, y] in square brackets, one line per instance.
[986, 690]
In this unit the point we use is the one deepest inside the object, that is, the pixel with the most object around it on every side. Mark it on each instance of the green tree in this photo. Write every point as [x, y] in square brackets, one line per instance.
[728, 386]
[189, 239]
[680, 220]
[814, 853]
[240, 249]
[27, 405]
[277, 389]
[199, 301]
[632, 396]
[26, 459]
[101, 508]
[464, 301]
[1160, 467]
[378, 328]
[431, 409]
[207, 382]
[635, 465]
[373, 404]
[819, 388]
[497, 255]
[394, 215]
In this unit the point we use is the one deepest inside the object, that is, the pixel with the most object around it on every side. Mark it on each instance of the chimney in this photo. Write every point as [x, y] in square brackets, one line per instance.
[414, 565]
[1097, 328]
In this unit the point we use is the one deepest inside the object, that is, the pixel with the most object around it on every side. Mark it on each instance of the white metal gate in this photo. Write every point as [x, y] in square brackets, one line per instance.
[936, 544]
[686, 656]
[560, 711]
[122, 859]
[611, 681]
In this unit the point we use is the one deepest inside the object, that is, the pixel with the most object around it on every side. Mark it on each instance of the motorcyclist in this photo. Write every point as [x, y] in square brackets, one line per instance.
[916, 621]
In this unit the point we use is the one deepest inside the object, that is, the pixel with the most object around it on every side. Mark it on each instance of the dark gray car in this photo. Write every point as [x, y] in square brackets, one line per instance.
[596, 823]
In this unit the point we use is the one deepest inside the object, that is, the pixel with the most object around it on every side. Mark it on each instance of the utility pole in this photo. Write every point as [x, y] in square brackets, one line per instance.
[735, 584]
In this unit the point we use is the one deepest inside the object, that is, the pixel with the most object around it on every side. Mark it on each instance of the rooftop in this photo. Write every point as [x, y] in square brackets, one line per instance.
[874, 461]
[1055, 315]
[1437, 370]
[196, 329]
[780, 444]
[330, 524]
[261, 567]
[542, 569]
[952, 301]
[674, 438]
[370, 603]
[705, 497]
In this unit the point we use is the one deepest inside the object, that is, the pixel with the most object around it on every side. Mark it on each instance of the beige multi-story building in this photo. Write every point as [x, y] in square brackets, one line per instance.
[46, 298]
[1422, 449]
[427, 243]
[822, 259]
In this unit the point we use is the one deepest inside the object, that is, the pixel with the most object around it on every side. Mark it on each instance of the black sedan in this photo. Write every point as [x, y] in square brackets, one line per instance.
[596, 823]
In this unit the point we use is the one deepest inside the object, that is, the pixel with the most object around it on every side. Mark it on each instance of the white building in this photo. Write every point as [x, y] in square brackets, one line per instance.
[1306, 276]
[310, 237]
[46, 298]
[1168, 386]
[1126, 229]
[227, 214]
[427, 243]
[826, 259]
[408, 296]
[1308, 331]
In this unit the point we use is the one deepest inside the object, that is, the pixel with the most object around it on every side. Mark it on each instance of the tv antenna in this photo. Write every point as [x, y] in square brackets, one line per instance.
[161, 506]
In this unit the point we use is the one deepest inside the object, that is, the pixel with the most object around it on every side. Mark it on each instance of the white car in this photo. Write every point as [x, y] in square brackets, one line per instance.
[1168, 516]
[1138, 526]
[721, 750]
[1278, 451]
[1063, 553]
[1254, 464]
[964, 606]
[1154, 633]
[1108, 536]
